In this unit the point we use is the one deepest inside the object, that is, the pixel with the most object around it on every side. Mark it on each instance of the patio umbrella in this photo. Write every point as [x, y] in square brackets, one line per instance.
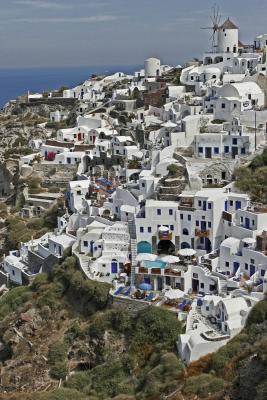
[169, 124]
[187, 252]
[170, 259]
[174, 294]
[145, 286]
[146, 257]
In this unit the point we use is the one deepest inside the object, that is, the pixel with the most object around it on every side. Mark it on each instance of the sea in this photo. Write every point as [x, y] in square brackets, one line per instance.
[15, 82]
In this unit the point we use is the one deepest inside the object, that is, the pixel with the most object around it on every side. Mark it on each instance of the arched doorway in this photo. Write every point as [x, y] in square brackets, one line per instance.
[166, 247]
[144, 247]
[185, 245]
[204, 243]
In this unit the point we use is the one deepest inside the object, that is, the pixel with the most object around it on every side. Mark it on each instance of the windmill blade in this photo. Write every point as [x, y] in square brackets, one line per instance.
[212, 36]
[208, 27]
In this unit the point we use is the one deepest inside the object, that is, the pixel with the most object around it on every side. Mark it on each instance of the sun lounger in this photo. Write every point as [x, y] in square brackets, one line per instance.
[128, 291]
[118, 291]
[149, 297]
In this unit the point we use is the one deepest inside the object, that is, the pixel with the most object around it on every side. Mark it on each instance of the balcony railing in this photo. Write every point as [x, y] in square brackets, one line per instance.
[165, 236]
[202, 233]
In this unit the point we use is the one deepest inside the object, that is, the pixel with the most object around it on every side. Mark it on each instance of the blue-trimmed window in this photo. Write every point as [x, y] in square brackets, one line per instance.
[149, 229]
[234, 141]
[141, 229]
[158, 211]
[170, 211]
[216, 150]
[226, 149]
[200, 149]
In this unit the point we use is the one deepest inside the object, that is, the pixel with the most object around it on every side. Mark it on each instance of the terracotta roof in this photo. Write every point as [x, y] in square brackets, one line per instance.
[228, 24]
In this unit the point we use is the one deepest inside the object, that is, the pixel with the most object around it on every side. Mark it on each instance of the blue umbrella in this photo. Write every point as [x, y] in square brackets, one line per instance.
[145, 286]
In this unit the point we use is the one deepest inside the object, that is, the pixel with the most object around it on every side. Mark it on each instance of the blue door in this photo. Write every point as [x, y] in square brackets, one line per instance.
[238, 205]
[252, 269]
[247, 223]
[236, 266]
[203, 225]
[204, 205]
[226, 205]
[114, 267]
[147, 280]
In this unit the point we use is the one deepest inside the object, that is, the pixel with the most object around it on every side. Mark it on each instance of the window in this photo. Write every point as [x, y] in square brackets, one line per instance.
[141, 229]
[246, 266]
[209, 224]
[99, 246]
[226, 263]
[199, 203]
[143, 185]
[185, 232]
[235, 105]
[243, 150]
[234, 141]
[170, 212]
[207, 308]
[189, 217]
[223, 105]
[181, 216]
[226, 149]
[231, 203]
[85, 243]
[209, 206]
[252, 261]
[13, 272]
[197, 223]
[158, 211]
[216, 150]
[172, 227]
[200, 149]
[202, 285]
[249, 96]
[195, 276]
[149, 229]
[241, 219]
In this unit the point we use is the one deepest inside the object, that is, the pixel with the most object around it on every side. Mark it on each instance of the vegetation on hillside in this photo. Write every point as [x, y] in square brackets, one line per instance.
[252, 179]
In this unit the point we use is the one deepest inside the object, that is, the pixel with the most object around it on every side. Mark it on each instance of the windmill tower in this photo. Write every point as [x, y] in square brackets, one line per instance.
[215, 20]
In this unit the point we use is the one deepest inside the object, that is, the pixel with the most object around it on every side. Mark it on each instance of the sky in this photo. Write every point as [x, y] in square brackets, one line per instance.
[57, 33]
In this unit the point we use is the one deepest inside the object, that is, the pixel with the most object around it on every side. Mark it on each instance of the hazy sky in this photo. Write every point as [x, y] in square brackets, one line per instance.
[115, 32]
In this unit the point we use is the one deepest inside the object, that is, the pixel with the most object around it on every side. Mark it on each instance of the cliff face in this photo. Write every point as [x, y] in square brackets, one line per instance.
[61, 332]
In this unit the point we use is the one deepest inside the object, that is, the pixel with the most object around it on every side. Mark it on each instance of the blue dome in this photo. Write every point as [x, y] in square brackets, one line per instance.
[145, 286]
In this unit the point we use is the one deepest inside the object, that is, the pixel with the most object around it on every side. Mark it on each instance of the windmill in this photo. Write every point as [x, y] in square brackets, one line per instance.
[215, 19]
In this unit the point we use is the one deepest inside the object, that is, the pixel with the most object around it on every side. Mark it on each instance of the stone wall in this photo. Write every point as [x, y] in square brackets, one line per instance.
[131, 305]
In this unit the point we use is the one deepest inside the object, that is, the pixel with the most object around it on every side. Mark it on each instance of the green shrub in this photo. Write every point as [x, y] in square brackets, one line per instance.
[203, 385]
[57, 353]
[258, 313]
[59, 370]
[12, 300]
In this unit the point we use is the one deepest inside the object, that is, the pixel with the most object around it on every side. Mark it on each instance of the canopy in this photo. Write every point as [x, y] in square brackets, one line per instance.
[187, 252]
[170, 259]
[146, 257]
[145, 286]
[173, 294]
[163, 228]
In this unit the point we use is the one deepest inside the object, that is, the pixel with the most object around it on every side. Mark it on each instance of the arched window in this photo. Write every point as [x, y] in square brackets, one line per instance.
[185, 231]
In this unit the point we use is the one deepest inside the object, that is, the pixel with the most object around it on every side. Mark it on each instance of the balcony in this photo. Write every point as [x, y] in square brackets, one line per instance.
[165, 236]
[186, 207]
[203, 234]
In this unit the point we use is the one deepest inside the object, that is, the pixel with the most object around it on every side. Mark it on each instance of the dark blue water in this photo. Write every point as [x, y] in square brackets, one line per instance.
[15, 82]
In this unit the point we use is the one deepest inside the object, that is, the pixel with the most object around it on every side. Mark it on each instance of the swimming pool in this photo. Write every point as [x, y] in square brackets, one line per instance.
[154, 264]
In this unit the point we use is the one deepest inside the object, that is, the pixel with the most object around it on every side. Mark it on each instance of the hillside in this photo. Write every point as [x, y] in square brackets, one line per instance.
[62, 327]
